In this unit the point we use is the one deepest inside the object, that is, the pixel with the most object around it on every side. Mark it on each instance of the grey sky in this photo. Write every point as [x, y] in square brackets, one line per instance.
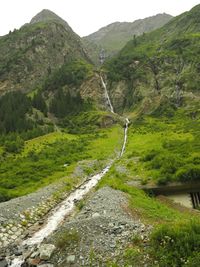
[87, 16]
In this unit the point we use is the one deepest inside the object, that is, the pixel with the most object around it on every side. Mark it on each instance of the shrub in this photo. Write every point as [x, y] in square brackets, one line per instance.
[189, 172]
[150, 155]
[67, 238]
[176, 244]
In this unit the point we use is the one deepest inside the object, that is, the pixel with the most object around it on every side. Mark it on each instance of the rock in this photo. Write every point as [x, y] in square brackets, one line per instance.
[71, 259]
[18, 252]
[46, 251]
[3, 263]
[95, 215]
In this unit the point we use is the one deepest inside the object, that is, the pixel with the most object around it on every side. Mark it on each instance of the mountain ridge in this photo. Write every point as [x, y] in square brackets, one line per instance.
[115, 35]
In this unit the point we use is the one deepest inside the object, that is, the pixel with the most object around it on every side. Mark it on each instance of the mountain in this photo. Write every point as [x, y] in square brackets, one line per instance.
[114, 36]
[148, 145]
[48, 16]
[31, 53]
[163, 62]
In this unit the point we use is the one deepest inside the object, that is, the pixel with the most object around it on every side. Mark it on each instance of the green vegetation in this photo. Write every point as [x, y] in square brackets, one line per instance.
[64, 104]
[167, 150]
[164, 62]
[39, 103]
[114, 36]
[71, 73]
[14, 107]
[42, 160]
[176, 244]
[147, 208]
[68, 238]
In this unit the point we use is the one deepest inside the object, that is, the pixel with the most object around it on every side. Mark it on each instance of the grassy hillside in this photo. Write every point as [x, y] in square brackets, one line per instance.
[158, 77]
[42, 160]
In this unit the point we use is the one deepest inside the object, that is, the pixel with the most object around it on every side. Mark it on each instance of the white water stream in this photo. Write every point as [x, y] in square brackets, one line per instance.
[125, 137]
[107, 95]
[66, 207]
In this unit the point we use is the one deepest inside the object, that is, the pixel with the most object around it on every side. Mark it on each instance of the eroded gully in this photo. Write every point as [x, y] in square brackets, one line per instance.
[67, 206]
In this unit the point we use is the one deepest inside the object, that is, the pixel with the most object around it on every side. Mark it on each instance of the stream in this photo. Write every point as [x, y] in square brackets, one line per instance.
[107, 95]
[67, 206]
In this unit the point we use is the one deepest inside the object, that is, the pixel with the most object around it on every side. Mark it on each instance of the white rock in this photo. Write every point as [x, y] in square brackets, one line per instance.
[95, 215]
[71, 259]
[46, 250]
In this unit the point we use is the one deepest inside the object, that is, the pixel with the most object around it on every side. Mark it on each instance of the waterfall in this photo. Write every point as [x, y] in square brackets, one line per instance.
[107, 95]
[125, 137]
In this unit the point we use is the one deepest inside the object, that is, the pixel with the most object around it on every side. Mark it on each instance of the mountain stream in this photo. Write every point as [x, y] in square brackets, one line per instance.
[67, 206]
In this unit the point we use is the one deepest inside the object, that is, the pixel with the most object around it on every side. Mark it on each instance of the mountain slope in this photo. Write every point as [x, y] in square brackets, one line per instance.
[156, 78]
[114, 36]
[28, 55]
[163, 62]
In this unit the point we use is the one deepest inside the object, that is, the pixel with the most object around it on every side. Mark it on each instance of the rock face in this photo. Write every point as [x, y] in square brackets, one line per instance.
[93, 89]
[46, 16]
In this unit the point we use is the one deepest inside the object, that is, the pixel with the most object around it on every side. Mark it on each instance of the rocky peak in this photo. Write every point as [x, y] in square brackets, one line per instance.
[47, 16]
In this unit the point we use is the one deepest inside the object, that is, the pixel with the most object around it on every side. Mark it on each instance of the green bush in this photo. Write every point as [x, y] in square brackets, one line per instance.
[188, 173]
[150, 155]
[176, 244]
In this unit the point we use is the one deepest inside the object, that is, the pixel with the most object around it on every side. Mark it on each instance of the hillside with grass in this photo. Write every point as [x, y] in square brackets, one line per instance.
[157, 76]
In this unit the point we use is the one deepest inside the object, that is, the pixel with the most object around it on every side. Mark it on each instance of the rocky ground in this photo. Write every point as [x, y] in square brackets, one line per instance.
[99, 233]
[19, 215]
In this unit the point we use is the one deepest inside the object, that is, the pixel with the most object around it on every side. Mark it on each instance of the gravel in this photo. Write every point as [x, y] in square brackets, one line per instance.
[104, 227]
[12, 208]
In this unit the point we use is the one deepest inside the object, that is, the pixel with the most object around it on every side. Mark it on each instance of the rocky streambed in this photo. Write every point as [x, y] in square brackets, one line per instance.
[98, 233]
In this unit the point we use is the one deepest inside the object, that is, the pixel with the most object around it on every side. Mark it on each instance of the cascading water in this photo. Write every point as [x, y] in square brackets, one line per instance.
[112, 110]
[66, 207]
[125, 137]
[107, 95]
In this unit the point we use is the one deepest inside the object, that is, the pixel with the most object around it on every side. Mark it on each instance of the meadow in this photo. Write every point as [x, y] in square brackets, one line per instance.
[48, 158]
[163, 150]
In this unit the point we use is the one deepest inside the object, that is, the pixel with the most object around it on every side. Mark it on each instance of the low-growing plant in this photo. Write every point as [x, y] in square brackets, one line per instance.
[80, 204]
[67, 238]
[176, 244]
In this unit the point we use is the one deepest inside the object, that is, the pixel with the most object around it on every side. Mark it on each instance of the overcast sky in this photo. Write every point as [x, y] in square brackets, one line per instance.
[87, 16]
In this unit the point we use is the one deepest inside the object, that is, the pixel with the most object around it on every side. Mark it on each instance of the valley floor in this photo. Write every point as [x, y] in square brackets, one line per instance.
[112, 226]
